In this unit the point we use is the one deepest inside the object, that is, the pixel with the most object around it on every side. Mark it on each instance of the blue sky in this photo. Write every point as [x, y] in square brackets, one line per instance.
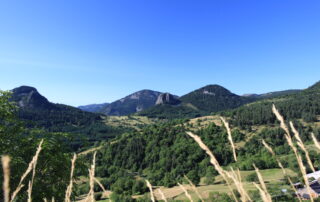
[80, 52]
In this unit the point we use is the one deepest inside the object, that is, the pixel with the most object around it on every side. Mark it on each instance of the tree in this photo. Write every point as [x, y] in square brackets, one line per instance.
[21, 144]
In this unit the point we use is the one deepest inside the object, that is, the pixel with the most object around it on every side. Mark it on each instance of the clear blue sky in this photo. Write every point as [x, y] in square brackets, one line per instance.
[81, 52]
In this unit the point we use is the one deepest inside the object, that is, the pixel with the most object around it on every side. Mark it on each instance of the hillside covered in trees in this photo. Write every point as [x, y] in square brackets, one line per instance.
[300, 105]
[83, 128]
[161, 152]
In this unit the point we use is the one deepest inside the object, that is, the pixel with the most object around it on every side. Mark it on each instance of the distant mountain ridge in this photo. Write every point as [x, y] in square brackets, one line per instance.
[272, 94]
[37, 112]
[205, 100]
[132, 103]
[293, 104]
[93, 107]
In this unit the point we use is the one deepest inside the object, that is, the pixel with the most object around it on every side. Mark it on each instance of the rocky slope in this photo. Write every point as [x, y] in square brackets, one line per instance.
[132, 103]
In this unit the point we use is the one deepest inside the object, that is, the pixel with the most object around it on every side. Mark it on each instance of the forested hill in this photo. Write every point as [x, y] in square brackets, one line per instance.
[37, 112]
[213, 98]
[303, 104]
[164, 153]
[203, 101]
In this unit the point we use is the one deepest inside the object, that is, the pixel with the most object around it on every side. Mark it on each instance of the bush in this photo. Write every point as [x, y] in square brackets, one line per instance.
[252, 178]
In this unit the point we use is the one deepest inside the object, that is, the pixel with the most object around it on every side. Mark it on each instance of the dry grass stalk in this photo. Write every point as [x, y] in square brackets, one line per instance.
[52, 199]
[194, 188]
[262, 193]
[31, 182]
[281, 166]
[69, 188]
[290, 143]
[151, 191]
[301, 145]
[185, 192]
[315, 141]
[213, 161]
[5, 160]
[281, 119]
[163, 197]
[274, 155]
[90, 196]
[29, 191]
[240, 181]
[266, 197]
[100, 185]
[31, 166]
[236, 178]
[226, 124]
[268, 148]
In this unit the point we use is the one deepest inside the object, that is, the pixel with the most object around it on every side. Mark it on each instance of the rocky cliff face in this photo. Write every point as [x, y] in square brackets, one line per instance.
[167, 98]
[29, 98]
[132, 103]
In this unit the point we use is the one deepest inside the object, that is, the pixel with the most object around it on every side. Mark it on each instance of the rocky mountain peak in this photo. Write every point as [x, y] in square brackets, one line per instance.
[29, 97]
[132, 103]
[167, 98]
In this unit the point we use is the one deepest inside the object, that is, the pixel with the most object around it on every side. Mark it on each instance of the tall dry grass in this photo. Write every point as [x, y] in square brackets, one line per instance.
[185, 192]
[69, 188]
[31, 167]
[90, 195]
[281, 166]
[151, 190]
[194, 188]
[216, 165]
[293, 147]
[101, 186]
[315, 141]
[301, 145]
[226, 124]
[5, 160]
[163, 197]
[263, 191]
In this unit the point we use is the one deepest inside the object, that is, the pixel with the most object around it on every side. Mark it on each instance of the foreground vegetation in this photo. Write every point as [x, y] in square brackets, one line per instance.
[163, 154]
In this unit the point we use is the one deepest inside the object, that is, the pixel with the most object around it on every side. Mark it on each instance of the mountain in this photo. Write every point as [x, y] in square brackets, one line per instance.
[272, 94]
[37, 112]
[132, 103]
[279, 93]
[205, 100]
[93, 107]
[315, 86]
[29, 98]
[293, 104]
[213, 98]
